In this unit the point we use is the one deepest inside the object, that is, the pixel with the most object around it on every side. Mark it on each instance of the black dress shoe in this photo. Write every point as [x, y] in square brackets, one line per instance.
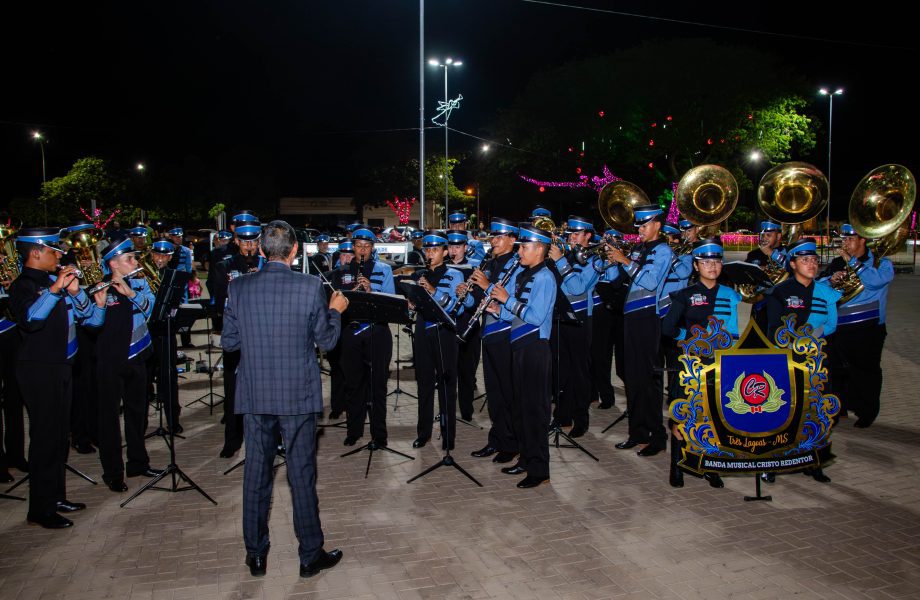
[626, 445]
[148, 472]
[650, 450]
[228, 451]
[532, 481]
[504, 457]
[484, 452]
[605, 405]
[862, 423]
[335, 414]
[257, 564]
[577, 432]
[49, 521]
[467, 417]
[68, 506]
[818, 474]
[714, 480]
[84, 448]
[326, 560]
[350, 441]
[21, 465]
[515, 470]
[116, 484]
[419, 442]
[676, 477]
[5, 477]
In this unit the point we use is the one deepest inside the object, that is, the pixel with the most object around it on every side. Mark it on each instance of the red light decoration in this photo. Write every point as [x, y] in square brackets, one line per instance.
[402, 208]
[578, 170]
[542, 189]
[651, 142]
[651, 165]
[670, 118]
[571, 149]
[750, 117]
[709, 142]
[600, 114]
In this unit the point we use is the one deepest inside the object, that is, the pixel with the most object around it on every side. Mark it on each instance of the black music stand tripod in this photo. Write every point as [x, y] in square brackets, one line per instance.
[210, 395]
[377, 309]
[432, 311]
[165, 308]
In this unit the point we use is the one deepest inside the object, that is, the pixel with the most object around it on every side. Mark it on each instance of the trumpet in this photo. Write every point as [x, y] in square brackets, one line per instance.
[105, 284]
[487, 301]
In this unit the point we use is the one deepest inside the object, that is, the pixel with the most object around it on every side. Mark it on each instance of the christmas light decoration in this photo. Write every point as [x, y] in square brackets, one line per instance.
[96, 217]
[673, 213]
[402, 208]
[445, 108]
[596, 183]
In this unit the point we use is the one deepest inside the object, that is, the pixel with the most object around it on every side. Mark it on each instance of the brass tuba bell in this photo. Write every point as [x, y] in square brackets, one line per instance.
[792, 193]
[9, 257]
[617, 202]
[84, 244]
[706, 195]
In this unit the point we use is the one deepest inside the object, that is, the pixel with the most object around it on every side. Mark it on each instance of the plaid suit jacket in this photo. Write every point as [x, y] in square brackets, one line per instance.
[275, 318]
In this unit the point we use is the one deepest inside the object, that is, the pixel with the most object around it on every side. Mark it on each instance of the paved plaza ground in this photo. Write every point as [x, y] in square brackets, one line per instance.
[608, 529]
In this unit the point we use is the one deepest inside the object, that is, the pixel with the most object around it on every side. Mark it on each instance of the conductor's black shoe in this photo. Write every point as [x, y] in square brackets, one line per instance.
[532, 481]
[350, 441]
[326, 560]
[68, 506]
[257, 564]
[419, 442]
[116, 484]
[714, 480]
[768, 477]
[650, 450]
[83, 447]
[484, 452]
[148, 472]
[335, 414]
[605, 405]
[626, 445]
[228, 451]
[818, 474]
[504, 457]
[515, 470]
[49, 521]
[578, 432]
[5, 477]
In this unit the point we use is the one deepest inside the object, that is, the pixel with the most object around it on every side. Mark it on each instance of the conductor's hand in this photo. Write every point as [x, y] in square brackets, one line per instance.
[479, 278]
[500, 294]
[338, 302]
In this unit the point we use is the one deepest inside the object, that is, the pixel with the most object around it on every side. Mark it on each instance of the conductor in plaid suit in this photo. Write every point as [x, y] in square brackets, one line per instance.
[275, 317]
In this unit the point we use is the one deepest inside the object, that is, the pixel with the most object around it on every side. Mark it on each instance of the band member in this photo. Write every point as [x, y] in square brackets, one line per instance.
[431, 345]
[123, 346]
[496, 348]
[12, 429]
[647, 266]
[416, 256]
[341, 279]
[691, 306]
[538, 212]
[689, 232]
[527, 303]
[574, 338]
[236, 265]
[166, 374]
[221, 242]
[181, 261]
[768, 252]
[855, 350]
[366, 346]
[243, 217]
[321, 261]
[678, 276]
[138, 236]
[47, 309]
[607, 329]
[469, 351]
[477, 251]
[812, 302]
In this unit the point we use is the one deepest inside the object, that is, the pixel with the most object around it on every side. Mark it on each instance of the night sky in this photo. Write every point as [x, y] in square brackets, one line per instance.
[297, 92]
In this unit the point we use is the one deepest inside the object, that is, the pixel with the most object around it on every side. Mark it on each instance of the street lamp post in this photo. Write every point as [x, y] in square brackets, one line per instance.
[38, 137]
[830, 128]
[448, 62]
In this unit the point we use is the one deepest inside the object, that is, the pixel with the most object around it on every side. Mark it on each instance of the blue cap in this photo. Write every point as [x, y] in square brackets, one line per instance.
[163, 247]
[529, 233]
[846, 230]
[803, 247]
[670, 230]
[417, 234]
[457, 217]
[223, 234]
[434, 238]
[540, 212]
[456, 238]
[575, 224]
[139, 231]
[352, 226]
[116, 248]
[80, 225]
[613, 233]
[176, 231]
[708, 248]
[684, 225]
[244, 216]
[346, 247]
[503, 227]
[249, 232]
[50, 237]
[323, 237]
[595, 239]
[770, 225]
[644, 214]
[363, 233]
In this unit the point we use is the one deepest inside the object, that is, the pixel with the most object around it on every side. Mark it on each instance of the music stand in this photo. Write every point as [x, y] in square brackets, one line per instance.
[207, 307]
[76, 472]
[432, 311]
[165, 309]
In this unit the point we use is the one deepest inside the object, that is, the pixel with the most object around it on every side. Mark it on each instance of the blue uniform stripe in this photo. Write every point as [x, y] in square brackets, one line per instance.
[639, 304]
[525, 329]
[495, 327]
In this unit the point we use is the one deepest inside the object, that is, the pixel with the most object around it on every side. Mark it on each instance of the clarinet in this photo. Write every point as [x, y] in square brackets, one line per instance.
[455, 311]
[488, 300]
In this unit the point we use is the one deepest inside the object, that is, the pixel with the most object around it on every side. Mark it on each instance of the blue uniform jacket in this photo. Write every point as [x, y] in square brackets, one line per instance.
[532, 311]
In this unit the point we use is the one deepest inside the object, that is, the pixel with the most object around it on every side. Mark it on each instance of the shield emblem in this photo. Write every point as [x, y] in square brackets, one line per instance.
[756, 394]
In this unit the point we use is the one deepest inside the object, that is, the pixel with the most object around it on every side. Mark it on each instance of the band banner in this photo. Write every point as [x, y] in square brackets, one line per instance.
[751, 406]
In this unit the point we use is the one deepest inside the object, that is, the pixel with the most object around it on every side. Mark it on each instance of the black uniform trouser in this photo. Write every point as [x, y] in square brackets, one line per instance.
[336, 378]
[12, 428]
[47, 389]
[127, 383]
[671, 353]
[496, 368]
[366, 362]
[531, 372]
[602, 343]
[468, 354]
[436, 350]
[84, 407]
[642, 335]
[759, 315]
[855, 360]
[574, 343]
[167, 377]
[233, 423]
